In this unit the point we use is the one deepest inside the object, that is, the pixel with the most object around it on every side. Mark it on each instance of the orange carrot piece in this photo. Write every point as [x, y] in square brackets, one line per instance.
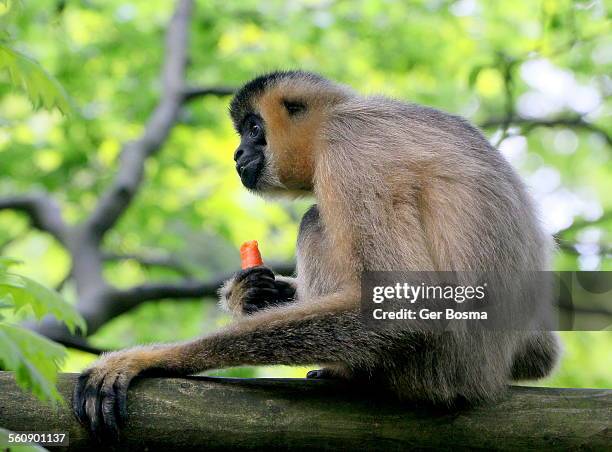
[249, 255]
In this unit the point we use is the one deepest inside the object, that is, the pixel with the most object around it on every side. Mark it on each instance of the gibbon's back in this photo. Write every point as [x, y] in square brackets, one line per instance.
[475, 209]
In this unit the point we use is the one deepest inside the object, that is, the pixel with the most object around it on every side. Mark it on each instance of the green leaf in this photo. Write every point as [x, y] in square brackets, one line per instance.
[34, 359]
[28, 447]
[6, 262]
[7, 301]
[42, 88]
[28, 293]
[10, 280]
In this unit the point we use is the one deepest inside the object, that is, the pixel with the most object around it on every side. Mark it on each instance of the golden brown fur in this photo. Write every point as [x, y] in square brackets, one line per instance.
[397, 187]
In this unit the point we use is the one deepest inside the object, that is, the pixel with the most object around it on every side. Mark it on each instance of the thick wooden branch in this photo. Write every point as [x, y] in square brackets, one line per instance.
[576, 122]
[117, 198]
[204, 413]
[43, 211]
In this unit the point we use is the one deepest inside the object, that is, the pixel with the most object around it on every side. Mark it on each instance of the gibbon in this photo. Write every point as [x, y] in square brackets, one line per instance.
[397, 186]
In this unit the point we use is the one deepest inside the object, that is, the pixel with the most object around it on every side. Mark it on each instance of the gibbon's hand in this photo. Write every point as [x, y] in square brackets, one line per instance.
[254, 289]
[100, 395]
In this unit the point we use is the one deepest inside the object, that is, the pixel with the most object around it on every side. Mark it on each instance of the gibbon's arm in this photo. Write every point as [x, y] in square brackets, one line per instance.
[327, 330]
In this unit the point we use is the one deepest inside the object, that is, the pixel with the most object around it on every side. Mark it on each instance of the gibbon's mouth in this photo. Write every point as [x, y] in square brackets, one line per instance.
[250, 172]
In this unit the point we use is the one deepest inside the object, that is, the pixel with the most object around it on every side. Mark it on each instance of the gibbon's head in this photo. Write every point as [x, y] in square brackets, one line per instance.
[279, 117]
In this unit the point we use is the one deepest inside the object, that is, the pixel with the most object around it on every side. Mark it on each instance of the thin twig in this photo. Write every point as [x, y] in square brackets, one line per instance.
[576, 122]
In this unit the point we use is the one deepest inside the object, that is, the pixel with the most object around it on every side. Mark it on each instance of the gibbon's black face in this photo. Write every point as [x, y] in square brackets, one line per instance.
[250, 157]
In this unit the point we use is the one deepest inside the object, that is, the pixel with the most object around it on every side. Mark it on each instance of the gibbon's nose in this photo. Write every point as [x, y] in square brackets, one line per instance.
[238, 154]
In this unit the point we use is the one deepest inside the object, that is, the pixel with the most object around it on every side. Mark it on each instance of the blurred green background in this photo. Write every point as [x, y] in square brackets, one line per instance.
[535, 74]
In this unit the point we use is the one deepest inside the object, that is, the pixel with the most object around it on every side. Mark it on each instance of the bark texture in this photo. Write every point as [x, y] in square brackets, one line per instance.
[205, 413]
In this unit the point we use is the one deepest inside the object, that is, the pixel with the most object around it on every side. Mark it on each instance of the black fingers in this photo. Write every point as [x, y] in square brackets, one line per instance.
[108, 408]
[262, 290]
[260, 295]
[254, 274]
[121, 386]
[286, 291]
[78, 400]
[92, 403]
[260, 298]
[99, 402]
[257, 298]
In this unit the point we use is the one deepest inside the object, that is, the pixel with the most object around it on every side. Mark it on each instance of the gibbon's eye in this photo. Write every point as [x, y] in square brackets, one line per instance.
[254, 130]
[294, 107]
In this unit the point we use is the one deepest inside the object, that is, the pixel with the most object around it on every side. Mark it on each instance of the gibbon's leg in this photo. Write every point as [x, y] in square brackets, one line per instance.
[325, 330]
[254, 289]
[536, 357]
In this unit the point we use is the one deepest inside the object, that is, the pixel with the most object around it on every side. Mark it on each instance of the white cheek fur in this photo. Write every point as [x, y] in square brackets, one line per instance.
[224, 294]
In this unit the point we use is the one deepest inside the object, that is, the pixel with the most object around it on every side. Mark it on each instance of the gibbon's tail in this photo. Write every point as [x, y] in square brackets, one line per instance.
[537, 357]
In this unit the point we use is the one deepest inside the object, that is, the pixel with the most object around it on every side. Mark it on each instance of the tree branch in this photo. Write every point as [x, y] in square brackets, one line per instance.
[195, 92]
[508, 64]
[127, 299]
[117, 198]
[43, 211]
[580, 224]
[207, 413]
[577, 122]
[95, 301]
[151, 260]
[98, 301]
[80, 344]
[604, 250]
[108, 303]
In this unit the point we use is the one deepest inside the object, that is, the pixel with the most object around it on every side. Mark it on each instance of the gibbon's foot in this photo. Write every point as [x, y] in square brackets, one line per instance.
[323, 374]
[261, 290]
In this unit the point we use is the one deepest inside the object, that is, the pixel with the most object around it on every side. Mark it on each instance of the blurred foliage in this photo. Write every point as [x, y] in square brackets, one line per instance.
[42, 89]
[540, 59]
[35, 359]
